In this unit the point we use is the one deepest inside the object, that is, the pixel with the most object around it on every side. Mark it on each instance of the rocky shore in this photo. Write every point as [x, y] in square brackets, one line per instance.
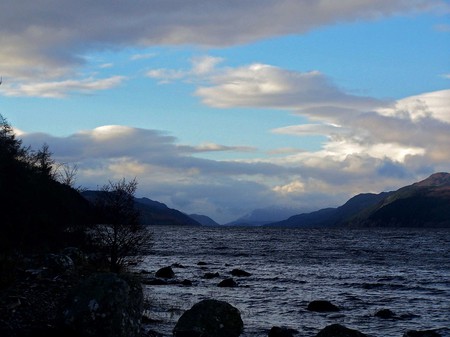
[64, 295]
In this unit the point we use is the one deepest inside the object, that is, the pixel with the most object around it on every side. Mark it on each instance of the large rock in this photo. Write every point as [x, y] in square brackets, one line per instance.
[227, 283]
[240, 273]
[165, 272]
[337, 330]
[322, 306]
[105, 305]
[210, 318]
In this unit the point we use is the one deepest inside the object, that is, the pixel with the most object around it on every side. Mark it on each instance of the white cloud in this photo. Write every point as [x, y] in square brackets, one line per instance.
[59, 89]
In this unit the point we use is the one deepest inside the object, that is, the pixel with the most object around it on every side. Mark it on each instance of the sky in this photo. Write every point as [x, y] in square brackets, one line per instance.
[223, 107]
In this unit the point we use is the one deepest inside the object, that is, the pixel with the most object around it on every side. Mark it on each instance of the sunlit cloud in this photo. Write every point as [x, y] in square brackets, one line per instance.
[60, 89]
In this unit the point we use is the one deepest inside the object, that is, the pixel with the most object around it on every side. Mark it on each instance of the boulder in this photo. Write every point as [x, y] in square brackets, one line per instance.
[240, 273]
[322, 306]
[76, 254]
[166, 272]
[227, 283]
[421, 333]
[385, 314]
[105, 304]
[210, 318]
[277, 331]
[210, 275]
[59, 264]
[337, 330]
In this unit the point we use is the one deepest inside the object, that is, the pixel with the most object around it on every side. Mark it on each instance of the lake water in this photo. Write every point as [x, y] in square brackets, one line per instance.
[361, 271]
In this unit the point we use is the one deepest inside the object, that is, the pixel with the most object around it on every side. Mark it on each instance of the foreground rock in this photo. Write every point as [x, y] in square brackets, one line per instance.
[105, 305]
[166, 272]
[385, 314]
[337, 330]
[228, 283]
[277, 331]
[240, 273]
[322, 306]
[210, 318]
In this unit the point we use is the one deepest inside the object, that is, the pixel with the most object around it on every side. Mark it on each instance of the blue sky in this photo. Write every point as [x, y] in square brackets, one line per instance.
[221, 109]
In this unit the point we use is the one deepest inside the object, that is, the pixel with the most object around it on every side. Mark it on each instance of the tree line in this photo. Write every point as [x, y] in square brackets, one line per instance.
[41, 211]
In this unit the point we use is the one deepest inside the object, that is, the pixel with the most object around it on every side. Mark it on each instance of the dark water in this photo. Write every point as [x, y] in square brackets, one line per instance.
[361, 271]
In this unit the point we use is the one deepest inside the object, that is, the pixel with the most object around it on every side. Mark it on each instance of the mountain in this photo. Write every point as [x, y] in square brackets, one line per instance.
[263, 216]
[154, 212]
[203, 220]
[422, 204]
[328, 217]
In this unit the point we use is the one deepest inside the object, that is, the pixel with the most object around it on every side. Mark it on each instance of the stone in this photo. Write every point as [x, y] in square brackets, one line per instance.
[322, 306]
[165, 272]
[210, 318]
[421, 333]
[210, 275]
[277, 331]
[385, 314]
[201, 263]
[227, 283]
[105, 304]
[240, 273]
[76, 254]
[186, 283]
[59, 264]
[337, 330]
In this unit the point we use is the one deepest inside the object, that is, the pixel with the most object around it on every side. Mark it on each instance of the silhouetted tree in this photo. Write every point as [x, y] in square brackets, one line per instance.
[119, 232]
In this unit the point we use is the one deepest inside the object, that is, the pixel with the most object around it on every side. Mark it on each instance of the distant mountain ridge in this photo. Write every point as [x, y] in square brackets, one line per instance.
[154, 212]
[422, 204]
[263, 216]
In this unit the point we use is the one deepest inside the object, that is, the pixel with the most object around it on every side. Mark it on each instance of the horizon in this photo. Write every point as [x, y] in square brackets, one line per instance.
[220, 110]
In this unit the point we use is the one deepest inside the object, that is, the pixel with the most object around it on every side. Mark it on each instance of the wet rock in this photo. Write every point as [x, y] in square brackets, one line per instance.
[202, 263]
[76, 254]
[165, 272]
[337, 330]
[154, 282]
[178, 265]
[322, 306]
[423, 333]
[277, 331]
[105, 305]
[227, 283]
[209, 276]
[59, 264]
[210, 318]
[240, 273]
[385, 314]
[186, 283]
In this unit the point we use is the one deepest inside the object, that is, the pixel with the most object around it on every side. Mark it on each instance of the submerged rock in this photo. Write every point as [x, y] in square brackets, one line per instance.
[165, 272]
[423, 333]
[209, 276]
[337, 330]
[385, 313]
[210, 318]
[240, 273]
[227, 283]
[277, 331]
[322, 306]
[105, 305]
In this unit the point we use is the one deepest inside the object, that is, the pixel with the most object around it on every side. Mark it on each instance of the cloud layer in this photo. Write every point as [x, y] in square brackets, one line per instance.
[46, 39]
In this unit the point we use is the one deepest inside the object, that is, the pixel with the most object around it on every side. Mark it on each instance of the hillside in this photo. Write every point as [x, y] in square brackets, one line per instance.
[329, 217]
[154, 212]
[423, 204]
